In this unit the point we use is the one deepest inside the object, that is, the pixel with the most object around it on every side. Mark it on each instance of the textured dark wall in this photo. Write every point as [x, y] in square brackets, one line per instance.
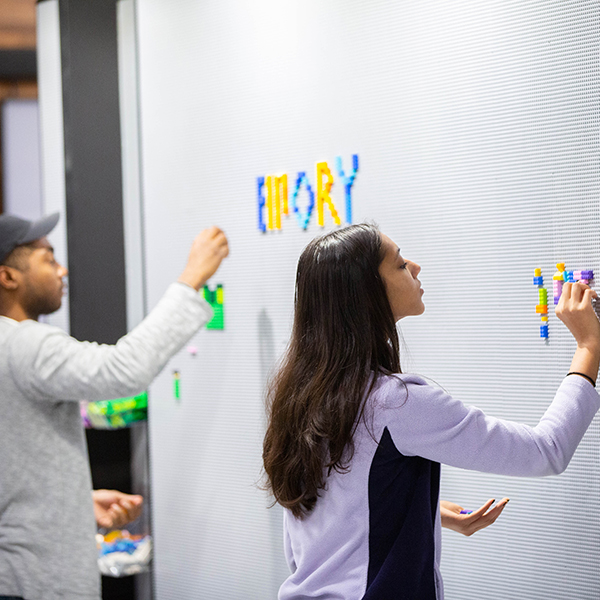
[88, 31]
[93, 169]
[18, 64]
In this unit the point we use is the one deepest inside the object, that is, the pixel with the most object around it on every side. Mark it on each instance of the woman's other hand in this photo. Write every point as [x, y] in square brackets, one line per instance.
[469, 523]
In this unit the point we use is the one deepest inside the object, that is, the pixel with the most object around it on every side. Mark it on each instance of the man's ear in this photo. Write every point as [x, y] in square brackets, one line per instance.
[8, 278]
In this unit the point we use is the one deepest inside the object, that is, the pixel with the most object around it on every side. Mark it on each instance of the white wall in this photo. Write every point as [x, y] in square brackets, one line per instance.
[476, 127]
[21, 179]
[52, 135]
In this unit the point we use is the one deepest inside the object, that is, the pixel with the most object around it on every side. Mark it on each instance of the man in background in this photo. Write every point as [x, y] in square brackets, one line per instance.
[47, 547]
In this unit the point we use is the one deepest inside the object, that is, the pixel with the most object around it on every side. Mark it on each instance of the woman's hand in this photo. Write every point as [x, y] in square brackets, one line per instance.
[575, 310]
[468, 524]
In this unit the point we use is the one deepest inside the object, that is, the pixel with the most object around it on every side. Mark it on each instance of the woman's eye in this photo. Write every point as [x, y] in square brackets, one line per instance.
[403, 266]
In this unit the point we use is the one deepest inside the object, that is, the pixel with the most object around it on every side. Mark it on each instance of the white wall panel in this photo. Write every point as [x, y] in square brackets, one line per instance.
[21, 181]
[52, 139]
[476, 124]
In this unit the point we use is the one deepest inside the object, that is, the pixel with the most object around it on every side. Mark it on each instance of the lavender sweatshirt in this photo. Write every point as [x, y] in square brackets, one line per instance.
[375, 532]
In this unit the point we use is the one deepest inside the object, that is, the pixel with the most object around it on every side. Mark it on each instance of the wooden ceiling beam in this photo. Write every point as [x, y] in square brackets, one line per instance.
[17, 24]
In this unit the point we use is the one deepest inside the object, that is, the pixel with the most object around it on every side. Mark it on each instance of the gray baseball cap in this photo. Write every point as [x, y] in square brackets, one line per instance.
[16, 232]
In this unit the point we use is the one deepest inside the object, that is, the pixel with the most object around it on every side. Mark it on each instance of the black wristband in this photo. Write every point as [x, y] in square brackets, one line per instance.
[583, 375]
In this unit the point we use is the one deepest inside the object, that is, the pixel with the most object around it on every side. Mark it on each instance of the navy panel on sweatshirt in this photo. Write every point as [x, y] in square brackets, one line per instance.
[403, 500]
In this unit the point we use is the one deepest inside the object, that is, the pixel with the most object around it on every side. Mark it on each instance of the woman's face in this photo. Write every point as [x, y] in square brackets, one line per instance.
[401, 283]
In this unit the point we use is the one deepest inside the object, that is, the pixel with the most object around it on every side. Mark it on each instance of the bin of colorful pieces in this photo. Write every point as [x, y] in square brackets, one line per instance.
[115, 414]
[121, 554]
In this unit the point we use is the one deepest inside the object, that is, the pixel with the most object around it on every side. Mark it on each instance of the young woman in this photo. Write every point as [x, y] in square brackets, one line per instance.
[353, 446]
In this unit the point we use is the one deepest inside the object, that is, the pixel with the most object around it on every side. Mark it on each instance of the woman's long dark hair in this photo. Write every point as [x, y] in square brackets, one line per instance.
[344, 332]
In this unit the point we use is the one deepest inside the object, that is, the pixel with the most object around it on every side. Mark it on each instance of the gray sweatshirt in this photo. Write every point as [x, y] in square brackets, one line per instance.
[47, 546]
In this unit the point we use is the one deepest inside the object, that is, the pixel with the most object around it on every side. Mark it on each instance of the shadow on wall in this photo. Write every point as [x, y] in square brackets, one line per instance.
[267, 360]
[266, 346]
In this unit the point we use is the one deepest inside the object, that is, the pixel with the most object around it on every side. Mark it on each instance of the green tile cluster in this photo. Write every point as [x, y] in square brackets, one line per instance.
[118, 413]
[177, 385]
[216, 298]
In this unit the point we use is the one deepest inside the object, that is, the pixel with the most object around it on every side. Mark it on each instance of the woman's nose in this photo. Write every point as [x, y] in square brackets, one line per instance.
[416, 269]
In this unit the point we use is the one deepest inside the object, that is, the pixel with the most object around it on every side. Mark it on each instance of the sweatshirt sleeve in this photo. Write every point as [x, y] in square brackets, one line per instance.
[47, 364]
[426, 421]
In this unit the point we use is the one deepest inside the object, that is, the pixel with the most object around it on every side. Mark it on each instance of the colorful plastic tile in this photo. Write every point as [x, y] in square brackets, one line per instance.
[216, 299]
[303, 219]
[348, 181]
[260, 184]
[176, 385]
[324, 183]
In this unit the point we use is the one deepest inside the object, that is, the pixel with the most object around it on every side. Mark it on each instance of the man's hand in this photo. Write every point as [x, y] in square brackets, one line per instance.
[114, 509]
[468, 524]
[208, 250]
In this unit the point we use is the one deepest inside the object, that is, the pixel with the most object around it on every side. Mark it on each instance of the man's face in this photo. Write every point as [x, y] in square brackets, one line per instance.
[42, 281]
